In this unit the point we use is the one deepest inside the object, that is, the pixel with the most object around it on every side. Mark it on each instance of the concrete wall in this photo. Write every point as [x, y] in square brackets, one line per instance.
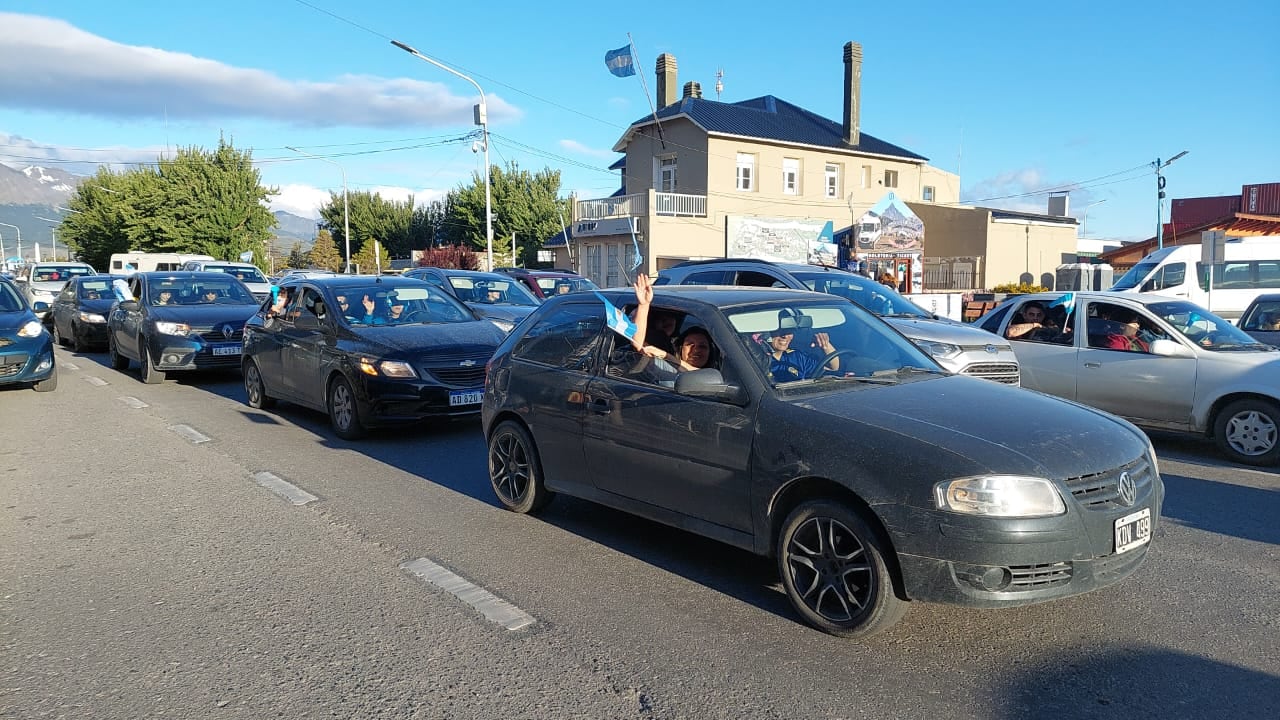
[953, 231]
[1015, 248]
[684, 140]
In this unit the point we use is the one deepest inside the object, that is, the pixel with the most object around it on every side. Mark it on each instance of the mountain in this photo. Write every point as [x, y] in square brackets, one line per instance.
[36, 186]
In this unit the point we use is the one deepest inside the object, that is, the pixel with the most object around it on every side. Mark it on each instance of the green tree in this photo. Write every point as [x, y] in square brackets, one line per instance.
[527, 204]
[103, 207]
[324, 253]
[298, 258]
[366, 260]
[370, 215]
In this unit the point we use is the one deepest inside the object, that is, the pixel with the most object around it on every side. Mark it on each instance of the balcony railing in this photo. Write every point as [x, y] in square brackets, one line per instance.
[678, 205]
[637, 205]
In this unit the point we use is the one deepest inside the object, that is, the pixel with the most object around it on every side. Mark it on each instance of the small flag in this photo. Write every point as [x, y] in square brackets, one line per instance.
[620, 62]
[246, 256]
[617, 320]
[1066, 302]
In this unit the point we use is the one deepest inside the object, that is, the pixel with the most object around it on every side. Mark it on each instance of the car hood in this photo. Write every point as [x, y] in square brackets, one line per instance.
[51, 286]
[1015, 430]
[945, 331]
[11, 321]
[204, 315]
[415, 338]
[513, 313]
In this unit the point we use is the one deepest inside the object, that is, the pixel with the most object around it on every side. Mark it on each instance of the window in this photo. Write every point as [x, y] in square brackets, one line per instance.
[666, 174]
[706, 277]
[566, 338]
[790, 176]
[1169, 276]
[866, 176]
[891, 178]
[752, 278]
[928, 193]
[832, 175]
[746, 171]
[595, 264]
[611, 267]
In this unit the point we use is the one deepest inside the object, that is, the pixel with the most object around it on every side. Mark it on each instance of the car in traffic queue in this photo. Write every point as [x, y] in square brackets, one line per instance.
[41, 282]
[499, 298]
[247, 273]
[1159, 362]
[78, 315]
[26, 348]
[1261, 319]
[339, 345]
[864, 470]
[549, 283]
[177, 321]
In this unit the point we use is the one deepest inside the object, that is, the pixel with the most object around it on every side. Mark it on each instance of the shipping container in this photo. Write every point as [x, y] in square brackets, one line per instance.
[1262, 199]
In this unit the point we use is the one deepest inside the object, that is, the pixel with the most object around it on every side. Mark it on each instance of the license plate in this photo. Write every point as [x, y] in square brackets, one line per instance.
[1133, 530]
[466, 397]
[226, 349]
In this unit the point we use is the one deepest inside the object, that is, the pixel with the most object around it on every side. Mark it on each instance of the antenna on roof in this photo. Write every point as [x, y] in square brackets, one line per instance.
[719, 83]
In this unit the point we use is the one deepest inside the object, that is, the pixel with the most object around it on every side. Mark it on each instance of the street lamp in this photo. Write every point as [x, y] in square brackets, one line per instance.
[346, 218]
[482, 119]
[19, 252]
[53, 231]
[1084, 215]
[1160, 196]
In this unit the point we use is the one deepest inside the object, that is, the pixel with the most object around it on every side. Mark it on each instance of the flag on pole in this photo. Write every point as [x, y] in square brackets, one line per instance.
[620, 62]
[617, 320]
[1066, 302]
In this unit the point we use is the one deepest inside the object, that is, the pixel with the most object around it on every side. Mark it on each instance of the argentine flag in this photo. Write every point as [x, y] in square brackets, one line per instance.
[620, 62]
[1066, 302]
[617, 320]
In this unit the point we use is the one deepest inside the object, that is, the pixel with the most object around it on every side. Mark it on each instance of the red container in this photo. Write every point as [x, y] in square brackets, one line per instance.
[1263, 199]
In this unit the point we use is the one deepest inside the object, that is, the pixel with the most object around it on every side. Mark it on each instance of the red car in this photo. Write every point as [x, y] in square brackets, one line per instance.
[545, 283]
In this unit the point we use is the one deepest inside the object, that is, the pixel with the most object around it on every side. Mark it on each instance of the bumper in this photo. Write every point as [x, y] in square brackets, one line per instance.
[26, 362]
[172, 352]
[90, 333]
[386, 401]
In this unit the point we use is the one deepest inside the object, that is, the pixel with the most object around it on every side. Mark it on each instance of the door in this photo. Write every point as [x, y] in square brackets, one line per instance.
[302, 347]
[64, 309]
[130, 321]
[1047, 357]
[268, 345]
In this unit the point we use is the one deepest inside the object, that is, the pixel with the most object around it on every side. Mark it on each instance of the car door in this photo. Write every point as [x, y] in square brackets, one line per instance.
[647, 442]
[268, 345]
[64, 309]
[1047, 362]
[304, 335]
[128, 319]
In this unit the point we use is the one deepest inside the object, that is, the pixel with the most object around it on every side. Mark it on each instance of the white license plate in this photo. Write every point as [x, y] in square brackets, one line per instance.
[466, 397]
[226, 349]
[1133, 530]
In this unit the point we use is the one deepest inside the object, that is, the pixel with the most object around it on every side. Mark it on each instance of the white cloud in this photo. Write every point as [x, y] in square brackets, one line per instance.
[18, 151]
[1025, 190]
[577, 147]
[306, 200]
[50, 65]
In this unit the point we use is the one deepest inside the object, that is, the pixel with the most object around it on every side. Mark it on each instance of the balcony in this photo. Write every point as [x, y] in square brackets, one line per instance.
[638, 204]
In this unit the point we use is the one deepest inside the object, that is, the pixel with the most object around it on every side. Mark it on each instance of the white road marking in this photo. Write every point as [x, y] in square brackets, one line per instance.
[69, 366]
[284, 489]
[494, 608]
[133, 402]
[190, 433]
[94, 380]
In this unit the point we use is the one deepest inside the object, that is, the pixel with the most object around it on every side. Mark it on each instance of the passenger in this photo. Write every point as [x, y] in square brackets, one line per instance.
[786, 364]
[344, 306]
[1032, 318]
[1270, 322]
[662, 330]
[164, 297]
[493, 296]
[1127, 338]
[211, 296]
[693, 351]
[91, 295]
[563, 288]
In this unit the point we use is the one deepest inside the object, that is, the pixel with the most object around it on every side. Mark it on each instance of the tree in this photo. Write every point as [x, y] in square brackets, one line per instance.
[450, 256]
[297, 257]
[370, 215]
[524, 203]
[324, 254]
[367, 262]
[103, 206]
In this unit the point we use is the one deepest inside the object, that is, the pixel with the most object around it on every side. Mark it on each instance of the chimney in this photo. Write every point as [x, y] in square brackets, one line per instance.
[666, 80]
[852, 91]
[693, 89]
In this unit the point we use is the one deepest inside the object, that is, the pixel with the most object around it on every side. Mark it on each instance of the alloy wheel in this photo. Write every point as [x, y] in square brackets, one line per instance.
[831, 570]
[509, 468]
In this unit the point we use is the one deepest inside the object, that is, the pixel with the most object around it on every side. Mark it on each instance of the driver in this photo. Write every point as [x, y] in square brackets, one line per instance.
[787, 364]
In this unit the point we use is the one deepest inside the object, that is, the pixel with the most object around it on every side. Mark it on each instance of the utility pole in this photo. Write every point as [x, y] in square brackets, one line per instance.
[19, 251]
[1159, 166]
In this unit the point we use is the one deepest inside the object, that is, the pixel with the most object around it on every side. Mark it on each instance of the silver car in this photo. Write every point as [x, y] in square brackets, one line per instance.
[42, 281]
[1158, 362]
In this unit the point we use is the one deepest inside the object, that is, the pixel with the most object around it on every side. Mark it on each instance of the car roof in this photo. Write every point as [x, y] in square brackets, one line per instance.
[722, 296]
[1266, 297]
[343, 281]
[1140, 298]
[787, 266]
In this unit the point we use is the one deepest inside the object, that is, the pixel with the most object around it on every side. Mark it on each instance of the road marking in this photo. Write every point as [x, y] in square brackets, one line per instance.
[94, 380]
[284, 489]
[70, 366]
[494, 608]
[190, 433]
[133, 402]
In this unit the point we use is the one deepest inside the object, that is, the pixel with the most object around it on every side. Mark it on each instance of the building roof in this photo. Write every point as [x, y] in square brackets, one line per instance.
[1002, 214]
[555, 241]
[768, 118]
[619, 164]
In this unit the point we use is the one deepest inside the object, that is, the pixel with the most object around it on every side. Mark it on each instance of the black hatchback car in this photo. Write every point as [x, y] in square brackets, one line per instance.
[865, 469]
[79, 313]
[368, 351]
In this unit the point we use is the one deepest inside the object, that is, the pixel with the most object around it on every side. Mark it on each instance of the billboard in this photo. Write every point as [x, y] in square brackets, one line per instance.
[890, 227]
[780, 239]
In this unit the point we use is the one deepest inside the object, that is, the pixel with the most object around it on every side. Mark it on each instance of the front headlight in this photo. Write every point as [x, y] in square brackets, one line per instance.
[91, 317]
[505, 326]
[1151, 452]
[1000, 496]
[30, 330]
[389, 368]
[172, 328]
[939, 349]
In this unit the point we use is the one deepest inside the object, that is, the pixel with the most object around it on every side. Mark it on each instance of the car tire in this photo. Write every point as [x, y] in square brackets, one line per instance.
[147, 368]
[344, 410]
[57, 336]
[76, 345]
[255, 390]
[834, 571]
[515, 470]
[48, 384]
[118, 361]
[1248, 431]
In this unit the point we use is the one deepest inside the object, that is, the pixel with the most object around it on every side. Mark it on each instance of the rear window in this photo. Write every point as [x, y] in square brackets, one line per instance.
[54, 273]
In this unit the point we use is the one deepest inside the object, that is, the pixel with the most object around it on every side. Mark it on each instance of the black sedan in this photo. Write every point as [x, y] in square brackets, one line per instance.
[499, 298]
[1262, 319]
[802, 427]
[79, 313]
[368, 351]
[179, 321]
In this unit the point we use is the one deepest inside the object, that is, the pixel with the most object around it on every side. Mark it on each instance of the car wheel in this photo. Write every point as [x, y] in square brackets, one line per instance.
[255, 389]
[834, 571]
[515, 470]
[57, 336]
[48, 384]
[118, 361]
[344, 413]
[1247, 431]
[76, 345]
[150, 375]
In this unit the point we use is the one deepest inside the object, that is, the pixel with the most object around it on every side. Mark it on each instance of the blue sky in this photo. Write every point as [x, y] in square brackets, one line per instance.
[1018, 97]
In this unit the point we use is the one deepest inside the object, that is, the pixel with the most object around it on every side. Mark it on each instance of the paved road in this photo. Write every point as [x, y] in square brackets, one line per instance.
[146, 573]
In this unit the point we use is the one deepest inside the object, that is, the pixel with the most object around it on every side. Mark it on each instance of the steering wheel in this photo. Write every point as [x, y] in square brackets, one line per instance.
[412, 316]
[822, 366]
[1209, 339]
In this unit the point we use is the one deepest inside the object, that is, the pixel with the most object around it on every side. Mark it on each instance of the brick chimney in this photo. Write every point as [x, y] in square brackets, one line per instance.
[852, 91]
[666, 80]
[693, 89]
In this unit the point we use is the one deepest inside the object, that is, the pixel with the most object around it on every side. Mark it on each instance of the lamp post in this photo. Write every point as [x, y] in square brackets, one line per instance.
[19, 251]
[346, 217]
[1160, 196]
[1084, 221]
[482, 119]
[54, 231]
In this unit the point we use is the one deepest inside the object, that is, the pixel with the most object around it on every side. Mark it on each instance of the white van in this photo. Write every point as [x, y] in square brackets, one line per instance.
[247, 273]
[131, 262]
[1249, 268]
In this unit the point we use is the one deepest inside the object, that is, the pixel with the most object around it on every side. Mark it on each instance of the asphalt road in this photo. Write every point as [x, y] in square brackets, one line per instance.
[145, 573]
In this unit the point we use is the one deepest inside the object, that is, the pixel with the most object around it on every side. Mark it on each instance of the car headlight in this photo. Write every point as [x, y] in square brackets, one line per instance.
[91, 317]
[389, 368]
[939, 349]
[505, 326]
[1000, 496]
[1151, 452]
[30, 330]
[172, 328]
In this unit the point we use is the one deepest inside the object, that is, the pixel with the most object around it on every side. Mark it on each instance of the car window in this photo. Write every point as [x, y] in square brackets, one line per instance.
[240, 272]
[1204, 328]
[991, 323]
[10, 301]
[492, 291]
[565, 338]
[1110, 326]
[94, 289]
[1041, 321]
[874, 296]
[692, 341]
[1262, 316]
[753, 278]
[707, 277]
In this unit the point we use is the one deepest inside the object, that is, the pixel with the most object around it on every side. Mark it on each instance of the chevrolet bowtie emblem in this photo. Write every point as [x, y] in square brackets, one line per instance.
[467, 363]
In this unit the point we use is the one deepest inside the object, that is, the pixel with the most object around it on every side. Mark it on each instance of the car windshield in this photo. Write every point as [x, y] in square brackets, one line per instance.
[57, 273]
[495, 290]
[10, 301]
[385, 304]
[1135, 276]
[876, 297]
[793, 342]
[240, 272]
[96, 289]
[1206, 329]
[561, 285]
[190, 291]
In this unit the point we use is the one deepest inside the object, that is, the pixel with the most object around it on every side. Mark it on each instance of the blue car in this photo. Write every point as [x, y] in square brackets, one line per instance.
[26, 348]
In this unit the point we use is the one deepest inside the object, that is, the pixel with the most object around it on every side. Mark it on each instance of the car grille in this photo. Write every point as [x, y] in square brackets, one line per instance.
[1101, 491]
[217, 336]
[1034, 577]
[447, 367]
[459, 377]
[1006, 373]
[11, 365]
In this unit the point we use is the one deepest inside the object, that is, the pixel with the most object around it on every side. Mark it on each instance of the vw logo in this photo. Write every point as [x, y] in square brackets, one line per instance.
[1128, 490]
[992, 349]
[467, 363]
[228, 331]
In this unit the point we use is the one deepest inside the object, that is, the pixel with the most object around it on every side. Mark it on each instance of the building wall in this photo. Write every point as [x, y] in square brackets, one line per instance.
[953, 231]
[686, 141]
[1018, 247]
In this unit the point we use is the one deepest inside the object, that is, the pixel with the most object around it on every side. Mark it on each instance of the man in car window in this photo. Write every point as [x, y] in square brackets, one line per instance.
[344, 307]
[787, 364]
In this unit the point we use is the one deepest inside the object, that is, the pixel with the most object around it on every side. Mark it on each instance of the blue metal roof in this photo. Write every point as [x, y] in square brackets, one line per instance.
[769, 118]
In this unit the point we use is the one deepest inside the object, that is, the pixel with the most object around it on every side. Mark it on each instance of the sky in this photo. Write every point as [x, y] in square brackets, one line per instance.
[1020, 99]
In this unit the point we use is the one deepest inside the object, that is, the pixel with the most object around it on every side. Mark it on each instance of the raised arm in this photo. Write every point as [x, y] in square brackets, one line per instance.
[644, 298]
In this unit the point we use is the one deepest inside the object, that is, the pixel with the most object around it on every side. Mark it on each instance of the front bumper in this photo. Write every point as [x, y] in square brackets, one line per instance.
[174, 352]
[386, 401]
[89, 333]
[26, 360]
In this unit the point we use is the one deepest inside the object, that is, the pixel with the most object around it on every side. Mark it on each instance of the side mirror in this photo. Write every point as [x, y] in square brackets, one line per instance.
[709, 383]
[40, 306]
[1169, 348]
[129, 305]
[1148, 286]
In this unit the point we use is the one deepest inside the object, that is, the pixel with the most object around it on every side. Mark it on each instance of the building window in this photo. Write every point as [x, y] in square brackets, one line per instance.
[746, 171]
[665, 174]
[611, 267]
[866, 176]
[928, 193]
[832, 173]
[790, 176]
[891, 178]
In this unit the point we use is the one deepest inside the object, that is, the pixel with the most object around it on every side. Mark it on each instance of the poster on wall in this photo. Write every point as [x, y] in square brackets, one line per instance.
[890, 227]
[780, 239]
